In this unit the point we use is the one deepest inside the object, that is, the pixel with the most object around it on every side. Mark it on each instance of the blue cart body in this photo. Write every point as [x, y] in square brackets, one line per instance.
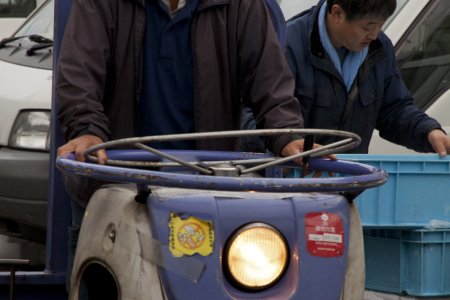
[311, 214]
[307, 273]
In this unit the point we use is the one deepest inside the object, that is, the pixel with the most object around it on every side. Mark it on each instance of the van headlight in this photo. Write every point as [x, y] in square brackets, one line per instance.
[31, 130]
[255, 257]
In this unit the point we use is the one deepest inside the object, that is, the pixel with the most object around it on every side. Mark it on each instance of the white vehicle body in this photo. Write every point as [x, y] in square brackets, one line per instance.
[8, 25]
[25, 98]
[414, 17]
[292, 7]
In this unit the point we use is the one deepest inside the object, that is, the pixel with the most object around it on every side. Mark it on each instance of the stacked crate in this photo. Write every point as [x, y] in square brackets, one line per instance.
[407, 225]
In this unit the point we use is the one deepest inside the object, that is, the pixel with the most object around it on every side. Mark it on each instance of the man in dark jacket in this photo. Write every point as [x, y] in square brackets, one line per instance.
[118, 67]
[134, 67]
[347, 79]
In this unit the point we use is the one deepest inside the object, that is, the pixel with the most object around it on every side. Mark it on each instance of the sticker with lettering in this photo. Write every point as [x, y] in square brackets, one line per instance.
[324, 234]
[190, 236]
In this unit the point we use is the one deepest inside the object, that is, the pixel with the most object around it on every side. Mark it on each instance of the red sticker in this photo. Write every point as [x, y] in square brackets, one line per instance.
[324, 234]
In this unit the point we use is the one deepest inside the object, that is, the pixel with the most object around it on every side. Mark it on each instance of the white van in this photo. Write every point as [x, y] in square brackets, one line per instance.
[13, 13]
[25, 100]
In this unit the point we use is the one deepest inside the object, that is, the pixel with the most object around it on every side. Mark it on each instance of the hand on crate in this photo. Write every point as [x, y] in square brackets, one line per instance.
[439, 141]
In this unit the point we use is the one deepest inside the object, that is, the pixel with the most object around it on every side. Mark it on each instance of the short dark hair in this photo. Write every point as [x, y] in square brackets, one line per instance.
[358, 9]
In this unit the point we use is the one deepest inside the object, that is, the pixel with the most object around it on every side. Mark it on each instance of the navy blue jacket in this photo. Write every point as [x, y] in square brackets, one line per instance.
[381, 101]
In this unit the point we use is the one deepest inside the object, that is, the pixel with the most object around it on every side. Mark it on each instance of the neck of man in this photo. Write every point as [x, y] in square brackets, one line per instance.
[332, 32]
[174, 5]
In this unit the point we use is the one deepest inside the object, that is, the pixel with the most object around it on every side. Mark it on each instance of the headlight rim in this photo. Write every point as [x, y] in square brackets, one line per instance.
[225, 266]
[20, 117]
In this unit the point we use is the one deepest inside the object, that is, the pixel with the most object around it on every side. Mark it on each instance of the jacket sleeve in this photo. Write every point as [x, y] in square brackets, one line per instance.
[268, 85]
[400, 121]
[81, 70]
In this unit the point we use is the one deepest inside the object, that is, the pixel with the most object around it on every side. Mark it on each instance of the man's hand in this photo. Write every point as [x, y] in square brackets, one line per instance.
[297, 146]
[79, 146]
[440, 142]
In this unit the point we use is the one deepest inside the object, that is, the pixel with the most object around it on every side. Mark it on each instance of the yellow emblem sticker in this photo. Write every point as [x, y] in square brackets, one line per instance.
[190, 236]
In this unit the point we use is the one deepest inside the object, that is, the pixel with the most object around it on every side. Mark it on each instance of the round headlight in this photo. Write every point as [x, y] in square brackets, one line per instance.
[256, 256]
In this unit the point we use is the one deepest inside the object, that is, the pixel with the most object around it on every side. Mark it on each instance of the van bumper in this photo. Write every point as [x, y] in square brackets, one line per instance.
[24, 187]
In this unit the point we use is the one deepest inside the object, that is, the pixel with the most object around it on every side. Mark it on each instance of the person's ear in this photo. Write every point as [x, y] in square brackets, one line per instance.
[337, 13]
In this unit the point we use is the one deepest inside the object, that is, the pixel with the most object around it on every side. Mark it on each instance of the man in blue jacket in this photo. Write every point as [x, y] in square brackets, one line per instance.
[347, 79]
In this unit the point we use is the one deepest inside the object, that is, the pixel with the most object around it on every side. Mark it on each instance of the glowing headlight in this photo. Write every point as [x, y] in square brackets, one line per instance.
[31, 130]
[256, 256]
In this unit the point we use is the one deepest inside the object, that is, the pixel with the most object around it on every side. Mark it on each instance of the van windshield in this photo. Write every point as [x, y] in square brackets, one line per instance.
[41, 23]
[16, 8]
[424, 54]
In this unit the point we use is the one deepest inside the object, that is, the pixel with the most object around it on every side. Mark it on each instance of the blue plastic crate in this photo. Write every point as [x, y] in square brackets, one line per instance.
[416, 194]
[413, 262]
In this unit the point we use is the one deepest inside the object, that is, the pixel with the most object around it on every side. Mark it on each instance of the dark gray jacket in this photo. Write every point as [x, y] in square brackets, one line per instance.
[236, 56]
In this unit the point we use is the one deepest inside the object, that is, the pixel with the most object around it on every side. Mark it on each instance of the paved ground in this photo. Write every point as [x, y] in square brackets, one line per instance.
[370, 295]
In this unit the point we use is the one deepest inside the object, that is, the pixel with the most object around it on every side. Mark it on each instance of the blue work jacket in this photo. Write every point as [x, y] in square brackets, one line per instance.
[378, 99]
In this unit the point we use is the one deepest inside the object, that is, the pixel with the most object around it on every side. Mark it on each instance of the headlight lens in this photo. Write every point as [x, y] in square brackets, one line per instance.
[31, 130]
[256, 256]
